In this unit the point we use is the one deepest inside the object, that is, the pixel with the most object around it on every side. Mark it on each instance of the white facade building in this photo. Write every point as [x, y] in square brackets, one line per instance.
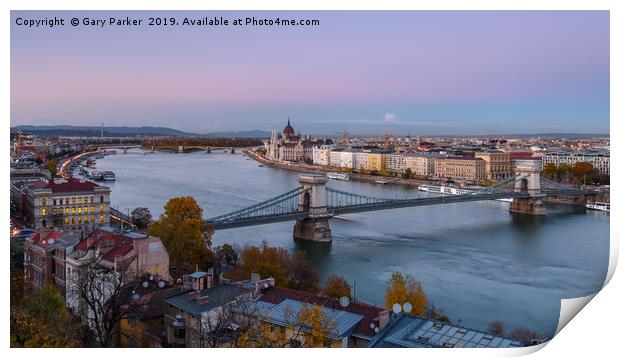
[599, 160]
[395, 163]
[320, 155]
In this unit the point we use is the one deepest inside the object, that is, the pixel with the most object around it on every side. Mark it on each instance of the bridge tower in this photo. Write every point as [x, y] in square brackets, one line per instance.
[314, 202]
[529, 170]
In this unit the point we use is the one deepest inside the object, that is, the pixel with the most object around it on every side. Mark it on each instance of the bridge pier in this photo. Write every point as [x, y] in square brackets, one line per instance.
[314, 201]
[313, 230]
[531, 206]
[180, 150]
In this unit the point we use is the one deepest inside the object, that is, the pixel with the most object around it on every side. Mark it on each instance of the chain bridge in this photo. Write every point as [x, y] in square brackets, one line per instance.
[313, 203]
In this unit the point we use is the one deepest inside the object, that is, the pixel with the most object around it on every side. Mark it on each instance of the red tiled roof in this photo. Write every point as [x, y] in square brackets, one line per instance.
[120, 250]
[71, 185]
[370, 312]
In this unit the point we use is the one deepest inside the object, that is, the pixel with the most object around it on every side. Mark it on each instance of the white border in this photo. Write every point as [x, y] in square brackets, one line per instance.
[592, 331]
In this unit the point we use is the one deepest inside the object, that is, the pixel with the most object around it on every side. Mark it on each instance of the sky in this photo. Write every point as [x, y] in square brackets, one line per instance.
[416, 72]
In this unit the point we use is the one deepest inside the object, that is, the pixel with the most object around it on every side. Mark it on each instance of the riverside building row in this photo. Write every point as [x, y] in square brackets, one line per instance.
[490, 165]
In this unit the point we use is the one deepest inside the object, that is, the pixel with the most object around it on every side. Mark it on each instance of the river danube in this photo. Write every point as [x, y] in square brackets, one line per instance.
[476, 262]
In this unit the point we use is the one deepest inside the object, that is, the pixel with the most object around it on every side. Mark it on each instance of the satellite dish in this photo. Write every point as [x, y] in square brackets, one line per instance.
[266, 285]
[135, 296]
[145, 284]
[376, 329]
[161, 284]
[344, 301]
[372, 325]
[407, 307]
[151, 278]
[396, 308]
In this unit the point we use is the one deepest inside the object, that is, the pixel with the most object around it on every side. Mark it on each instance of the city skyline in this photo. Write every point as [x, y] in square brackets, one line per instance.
[432, 73]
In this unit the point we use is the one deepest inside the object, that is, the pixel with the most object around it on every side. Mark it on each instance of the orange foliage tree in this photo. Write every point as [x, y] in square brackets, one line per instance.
[402, 289]
[336, 287]
[185, 234]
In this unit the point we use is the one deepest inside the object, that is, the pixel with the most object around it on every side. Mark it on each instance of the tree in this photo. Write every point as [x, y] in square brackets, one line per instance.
[227, 253]
[41, 320]
[141, 217]
[185, 235]
[405, 289]
[584, 172]
[301, 274]
[550, 171]
[336, 287]
[51, 167]
[96, 292]
[496, 328]
[288, 271]
[408, 174]
[313, 318]
[563, 172]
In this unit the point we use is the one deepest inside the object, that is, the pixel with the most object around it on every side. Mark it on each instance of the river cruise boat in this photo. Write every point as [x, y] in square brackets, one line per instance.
[598, 206]
[339, 176]
[97, 175]
[450, 190]
[109, 176]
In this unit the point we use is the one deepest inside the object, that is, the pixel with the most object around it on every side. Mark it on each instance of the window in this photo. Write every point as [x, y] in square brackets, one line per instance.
[79, 209]
[92, 209]
[101, 218]
[61, 201]
[85, 209]
[44, 202]
[92, 199]
[73, 221]
[73, 210]
[67, 211]
[79, 200]
[101, 208]
[73, 200]
[101, 198]
[66, 221]
[79, 219]
[54, 202]
[43, 211]
[92, 219]
[54, 211]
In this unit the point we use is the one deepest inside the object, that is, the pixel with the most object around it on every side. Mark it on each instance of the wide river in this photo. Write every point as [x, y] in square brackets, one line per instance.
[476, 261]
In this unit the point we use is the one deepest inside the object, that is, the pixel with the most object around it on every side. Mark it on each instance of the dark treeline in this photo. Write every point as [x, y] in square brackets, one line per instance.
[215, 142]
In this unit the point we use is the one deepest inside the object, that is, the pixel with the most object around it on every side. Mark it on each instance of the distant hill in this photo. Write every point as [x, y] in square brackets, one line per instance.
[96, 131]
[92, 131]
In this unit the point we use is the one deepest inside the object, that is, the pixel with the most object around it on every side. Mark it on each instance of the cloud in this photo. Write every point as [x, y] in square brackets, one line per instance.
[389, 117]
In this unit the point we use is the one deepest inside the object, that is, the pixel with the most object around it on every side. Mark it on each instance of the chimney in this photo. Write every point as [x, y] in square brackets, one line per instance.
[384, 319]
[254, 277]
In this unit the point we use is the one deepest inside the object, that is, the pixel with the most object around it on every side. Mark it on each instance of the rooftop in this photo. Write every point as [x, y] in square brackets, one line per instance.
[216, 297]
[409, 331]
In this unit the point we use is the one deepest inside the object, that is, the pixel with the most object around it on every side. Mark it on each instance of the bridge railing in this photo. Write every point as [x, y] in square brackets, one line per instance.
[283, 204]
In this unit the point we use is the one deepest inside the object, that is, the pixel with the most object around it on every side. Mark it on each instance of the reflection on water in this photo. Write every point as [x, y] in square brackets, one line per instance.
[476, 261]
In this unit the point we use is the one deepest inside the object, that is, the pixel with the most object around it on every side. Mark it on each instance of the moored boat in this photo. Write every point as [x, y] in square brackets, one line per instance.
[109, 176]
[598, 206]
[339, 176]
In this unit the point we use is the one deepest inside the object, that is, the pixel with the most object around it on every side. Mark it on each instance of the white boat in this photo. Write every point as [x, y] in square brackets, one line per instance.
[339, 176]
[598, 206]
[449, 190]
[109, 176]
[385, 181]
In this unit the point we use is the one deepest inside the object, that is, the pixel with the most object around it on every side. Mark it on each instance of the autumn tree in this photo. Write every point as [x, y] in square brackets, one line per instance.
[496, 327]
[51, 167]
[402, 289]
[583, 172]
[185, 234]
[141, 217]
[288, 271]
[317, 323]
[42, 320]
[301, 274]
[336, 287]
[550, 171]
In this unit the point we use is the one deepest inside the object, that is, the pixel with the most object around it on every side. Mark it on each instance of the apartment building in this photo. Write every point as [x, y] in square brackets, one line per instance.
[599, 160]
[461, 168]
[497, 164]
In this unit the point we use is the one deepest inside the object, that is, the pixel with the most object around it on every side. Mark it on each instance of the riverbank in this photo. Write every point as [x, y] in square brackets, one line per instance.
[363, 178]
